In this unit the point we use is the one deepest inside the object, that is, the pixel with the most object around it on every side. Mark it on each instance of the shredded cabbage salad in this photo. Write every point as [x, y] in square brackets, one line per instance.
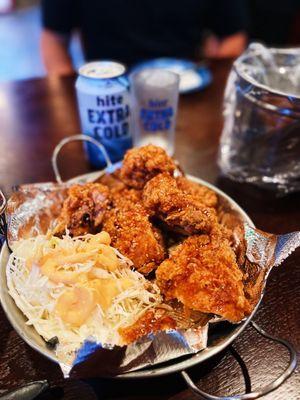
[46, 273]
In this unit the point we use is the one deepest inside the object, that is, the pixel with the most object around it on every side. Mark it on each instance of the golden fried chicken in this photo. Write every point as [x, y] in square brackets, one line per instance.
[132, 195]
[112, 181]
[152, 321]
[179, 210]
[118, 188]
[83, 209]
[133, 235]
[207, 196]
[142, 164]
[202, 273]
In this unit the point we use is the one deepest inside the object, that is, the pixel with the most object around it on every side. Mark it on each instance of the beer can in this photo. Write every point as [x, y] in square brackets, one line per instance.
[104, 107]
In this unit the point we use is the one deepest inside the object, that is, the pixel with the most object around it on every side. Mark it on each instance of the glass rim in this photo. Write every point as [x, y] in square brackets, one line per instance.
[284, 51]
[175, 75]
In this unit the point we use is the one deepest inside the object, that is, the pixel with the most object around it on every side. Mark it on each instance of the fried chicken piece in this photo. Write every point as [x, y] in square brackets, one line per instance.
[202, 273]
[83, 209]
[119, 189]
[151, 322]
[112, 181]
[143, 163]
[133, 195]
[133, 235]
[180, 211]
[207, 196]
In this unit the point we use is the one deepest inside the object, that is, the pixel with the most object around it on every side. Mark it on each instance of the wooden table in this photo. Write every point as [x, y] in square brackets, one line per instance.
[34, 116]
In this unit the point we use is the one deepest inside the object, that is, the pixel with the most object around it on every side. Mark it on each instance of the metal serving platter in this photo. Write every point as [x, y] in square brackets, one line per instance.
[221, 336]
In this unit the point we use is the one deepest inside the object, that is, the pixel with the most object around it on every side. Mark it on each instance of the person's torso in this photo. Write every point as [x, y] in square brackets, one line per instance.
[133, 30]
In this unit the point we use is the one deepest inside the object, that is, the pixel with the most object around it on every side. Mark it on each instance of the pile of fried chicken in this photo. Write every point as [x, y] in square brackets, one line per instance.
[147, 205]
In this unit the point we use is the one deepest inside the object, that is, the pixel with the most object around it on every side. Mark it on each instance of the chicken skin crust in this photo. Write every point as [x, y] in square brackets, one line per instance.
[143, 163]
[207, 196]
[83, 209]
[112, 181]
[154, 320]
[202, 273]
[132, 233]
[118, 189]
[179, 210]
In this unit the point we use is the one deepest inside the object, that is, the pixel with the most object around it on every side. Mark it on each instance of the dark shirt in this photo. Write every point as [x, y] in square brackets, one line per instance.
[135, 30]
[275, 22]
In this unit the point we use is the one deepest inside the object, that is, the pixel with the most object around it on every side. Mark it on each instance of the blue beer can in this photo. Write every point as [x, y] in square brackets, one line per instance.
[104, 108]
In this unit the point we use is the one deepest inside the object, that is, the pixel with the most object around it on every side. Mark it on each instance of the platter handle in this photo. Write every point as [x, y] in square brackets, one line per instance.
[74, 138]
[3, 225]
[264, 390]
[28, 391]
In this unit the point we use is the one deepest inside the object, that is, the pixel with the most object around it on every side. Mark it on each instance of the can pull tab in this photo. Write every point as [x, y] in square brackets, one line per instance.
[74, 138]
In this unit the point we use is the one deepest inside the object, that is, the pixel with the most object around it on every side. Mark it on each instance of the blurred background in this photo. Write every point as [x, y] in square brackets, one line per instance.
[273, 22]
[20, 30]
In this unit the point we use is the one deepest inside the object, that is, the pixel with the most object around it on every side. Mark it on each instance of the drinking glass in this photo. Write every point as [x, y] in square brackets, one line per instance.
[260, 142]
[154, 107]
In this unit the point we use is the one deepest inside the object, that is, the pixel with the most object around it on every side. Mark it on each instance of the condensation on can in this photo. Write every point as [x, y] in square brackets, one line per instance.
[104, 108]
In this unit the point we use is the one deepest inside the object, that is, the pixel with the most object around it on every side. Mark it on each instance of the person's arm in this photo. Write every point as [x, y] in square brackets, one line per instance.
[59, 18]
[54, 51]
[228, 47]
[227, 22]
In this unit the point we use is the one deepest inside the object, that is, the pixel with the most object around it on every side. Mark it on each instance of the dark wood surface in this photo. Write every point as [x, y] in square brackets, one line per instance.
[34, 116]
